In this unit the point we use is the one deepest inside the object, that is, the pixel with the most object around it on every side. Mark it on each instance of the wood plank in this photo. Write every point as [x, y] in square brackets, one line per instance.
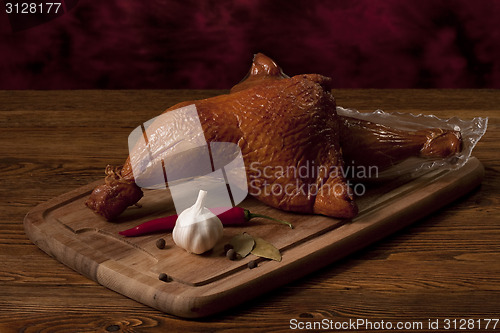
[38, 293]
[204, 284]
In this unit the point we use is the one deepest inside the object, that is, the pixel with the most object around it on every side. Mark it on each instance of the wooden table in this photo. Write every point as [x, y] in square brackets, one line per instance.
[445, 266]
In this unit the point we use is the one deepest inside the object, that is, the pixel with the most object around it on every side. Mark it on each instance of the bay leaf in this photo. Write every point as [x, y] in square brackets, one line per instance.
[265, 249]
[242, 244]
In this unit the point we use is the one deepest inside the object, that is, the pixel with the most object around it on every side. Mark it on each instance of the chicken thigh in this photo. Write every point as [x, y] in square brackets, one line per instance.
[292, 141]
[287, 131]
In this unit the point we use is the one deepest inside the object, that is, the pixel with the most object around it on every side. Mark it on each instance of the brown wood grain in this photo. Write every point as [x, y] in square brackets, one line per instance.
[445, 266]
[210, 283]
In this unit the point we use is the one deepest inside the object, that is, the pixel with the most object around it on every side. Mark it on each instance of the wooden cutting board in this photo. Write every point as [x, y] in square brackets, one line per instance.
[201, 285]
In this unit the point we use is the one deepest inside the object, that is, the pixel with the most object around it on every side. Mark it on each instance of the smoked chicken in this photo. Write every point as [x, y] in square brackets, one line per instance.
[279, 123]
[365, 143]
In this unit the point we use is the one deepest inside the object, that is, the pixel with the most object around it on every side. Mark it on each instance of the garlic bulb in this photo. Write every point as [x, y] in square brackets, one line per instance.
[197, 229]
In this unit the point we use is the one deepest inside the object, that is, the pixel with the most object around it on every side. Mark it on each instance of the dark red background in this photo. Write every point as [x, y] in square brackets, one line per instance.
[116, 44]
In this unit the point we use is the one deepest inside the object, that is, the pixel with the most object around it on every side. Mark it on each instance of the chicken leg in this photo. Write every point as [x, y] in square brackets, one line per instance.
[287, 131]
[364, 143]
[283, 125]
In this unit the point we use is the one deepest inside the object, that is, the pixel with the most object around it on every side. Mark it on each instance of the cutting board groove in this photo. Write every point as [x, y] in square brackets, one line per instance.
[201, 285]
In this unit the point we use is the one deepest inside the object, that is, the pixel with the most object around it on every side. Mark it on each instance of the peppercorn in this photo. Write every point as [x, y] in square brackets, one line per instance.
[231, 254]
[164, 277]
[160, 243]
[252, 264]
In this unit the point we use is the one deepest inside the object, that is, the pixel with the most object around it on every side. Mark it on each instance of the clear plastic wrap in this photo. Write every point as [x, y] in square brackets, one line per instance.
[471, 132]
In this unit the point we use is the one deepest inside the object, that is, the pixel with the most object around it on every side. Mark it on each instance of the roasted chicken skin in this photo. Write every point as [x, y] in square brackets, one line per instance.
[366, 143]
[117, 193]
[283, 123]
[281, 127]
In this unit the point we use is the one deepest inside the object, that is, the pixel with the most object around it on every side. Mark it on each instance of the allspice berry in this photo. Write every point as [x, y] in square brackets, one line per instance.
[252, 264]
[164, 277]
[231, 254]
[160, 243]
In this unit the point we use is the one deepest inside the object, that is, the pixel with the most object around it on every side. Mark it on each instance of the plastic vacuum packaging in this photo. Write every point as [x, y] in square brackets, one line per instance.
[469, 132]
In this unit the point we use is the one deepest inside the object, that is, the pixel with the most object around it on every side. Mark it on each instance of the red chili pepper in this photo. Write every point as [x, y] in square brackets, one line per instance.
[228, 216]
